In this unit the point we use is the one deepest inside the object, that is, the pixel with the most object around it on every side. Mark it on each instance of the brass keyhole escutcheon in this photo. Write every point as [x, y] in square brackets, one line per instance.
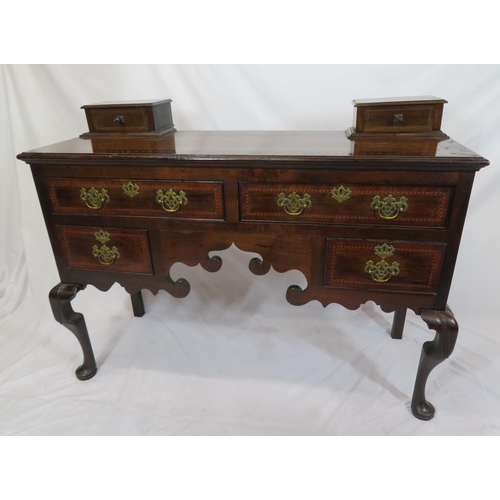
[341, 193]
[171, 201]
[94, 199]
[294, 204]
[130, 189]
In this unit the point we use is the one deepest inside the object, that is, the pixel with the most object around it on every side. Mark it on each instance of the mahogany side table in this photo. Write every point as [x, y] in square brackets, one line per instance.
[377, 220]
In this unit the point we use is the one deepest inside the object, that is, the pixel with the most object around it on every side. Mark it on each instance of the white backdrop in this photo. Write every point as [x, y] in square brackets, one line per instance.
[234, 358]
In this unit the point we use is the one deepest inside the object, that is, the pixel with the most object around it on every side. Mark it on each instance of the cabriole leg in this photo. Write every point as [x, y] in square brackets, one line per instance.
[60, 297]
[433, 353]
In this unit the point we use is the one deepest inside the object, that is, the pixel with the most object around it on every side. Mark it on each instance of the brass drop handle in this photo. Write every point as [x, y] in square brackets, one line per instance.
[171, 201]
[389, 208]
[294, 204]
[105, 255]
[382, 271]
[120, 120]
[94, 199]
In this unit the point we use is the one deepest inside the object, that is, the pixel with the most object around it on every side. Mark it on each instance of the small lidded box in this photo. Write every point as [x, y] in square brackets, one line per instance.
[133, 118]
[415, 116]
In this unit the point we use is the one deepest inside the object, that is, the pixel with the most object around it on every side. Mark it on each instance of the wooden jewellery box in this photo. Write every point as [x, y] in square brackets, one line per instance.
[135, 118]
[416, 116]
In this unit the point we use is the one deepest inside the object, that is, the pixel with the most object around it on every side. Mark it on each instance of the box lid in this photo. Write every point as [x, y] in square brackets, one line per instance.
[389, 101]
[123, 104]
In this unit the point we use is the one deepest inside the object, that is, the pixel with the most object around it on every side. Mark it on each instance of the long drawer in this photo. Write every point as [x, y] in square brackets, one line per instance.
[424, 206]
[179, 199]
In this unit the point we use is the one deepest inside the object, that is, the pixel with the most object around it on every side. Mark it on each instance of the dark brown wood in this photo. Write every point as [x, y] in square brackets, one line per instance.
[232, 182]
[390, 101]
[426, 207]
[398, 323]
[78, 245]
[136, 118]
[60, 298]
[301, 150]
[204, 198]
[372, 144]
[137, 304]
[433, 353]
[418, 264]
[408, 115]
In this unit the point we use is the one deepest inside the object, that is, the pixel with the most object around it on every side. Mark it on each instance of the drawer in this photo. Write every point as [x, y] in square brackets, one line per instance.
[106, 249]
[401, 119]
[119, 120]
[191, 200]
[384, 265]
[424, 206]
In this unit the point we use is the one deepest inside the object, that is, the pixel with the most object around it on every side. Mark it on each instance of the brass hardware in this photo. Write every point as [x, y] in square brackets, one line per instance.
[389, 207]
[105, 255]
[382, 271]
[398, 119]
[102, 236]
[293, 204]
[384, 251]
[93, 198]
[171, 201]
[120, 120]
[341, 194]
[131, 189]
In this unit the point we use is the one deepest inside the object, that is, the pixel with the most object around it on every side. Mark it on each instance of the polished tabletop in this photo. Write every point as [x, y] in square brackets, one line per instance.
[261, 145]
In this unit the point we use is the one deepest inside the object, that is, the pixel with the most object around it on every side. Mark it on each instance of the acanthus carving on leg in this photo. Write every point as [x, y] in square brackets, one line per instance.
[60, 297]
[434, 352]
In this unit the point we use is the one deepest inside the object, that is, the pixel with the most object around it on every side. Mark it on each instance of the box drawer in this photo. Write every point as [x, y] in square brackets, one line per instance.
[119, 120]
[346, 204]
[401, 119]
[384, 265]
[179, 199]
[106, 249]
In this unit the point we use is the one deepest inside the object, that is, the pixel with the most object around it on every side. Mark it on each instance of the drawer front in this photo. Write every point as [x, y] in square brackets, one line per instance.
[346, 204]
[119, 120]
[401, 119]
[196, 200]
[106, 249]
[383, 265]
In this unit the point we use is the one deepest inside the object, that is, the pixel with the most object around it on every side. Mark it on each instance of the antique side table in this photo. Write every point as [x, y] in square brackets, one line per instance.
[363, 218]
